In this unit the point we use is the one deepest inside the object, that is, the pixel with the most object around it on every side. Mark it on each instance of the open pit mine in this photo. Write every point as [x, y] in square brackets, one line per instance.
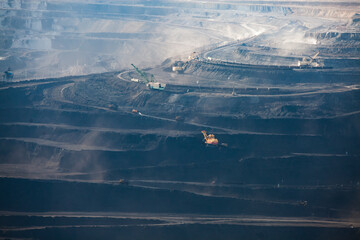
[180, 119]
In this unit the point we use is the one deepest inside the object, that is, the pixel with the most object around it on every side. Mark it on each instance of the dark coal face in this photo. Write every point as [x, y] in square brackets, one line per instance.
[102, 156]
[73, 146]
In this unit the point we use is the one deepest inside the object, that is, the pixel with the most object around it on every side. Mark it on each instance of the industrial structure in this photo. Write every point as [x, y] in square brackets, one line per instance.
[210, 139]
[180, 66]
[8, 74]
[150, 83]
[310, 62]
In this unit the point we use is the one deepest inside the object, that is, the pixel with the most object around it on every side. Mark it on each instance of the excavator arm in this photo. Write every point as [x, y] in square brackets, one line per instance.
[205, 135]
[210, 139]
[141, 73]
[313, 57]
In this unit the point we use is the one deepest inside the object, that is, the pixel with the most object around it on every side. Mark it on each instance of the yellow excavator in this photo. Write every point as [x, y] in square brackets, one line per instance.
[210, 139]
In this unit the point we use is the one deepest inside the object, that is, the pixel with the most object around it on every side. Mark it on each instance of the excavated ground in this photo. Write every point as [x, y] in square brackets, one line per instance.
[292, 152]
[76, 162]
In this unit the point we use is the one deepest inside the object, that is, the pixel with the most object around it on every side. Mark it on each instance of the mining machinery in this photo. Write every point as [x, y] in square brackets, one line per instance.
[179, 66]
[210, 139]
[142, 74]
[150, 83]
[309, 61]
[8, 74]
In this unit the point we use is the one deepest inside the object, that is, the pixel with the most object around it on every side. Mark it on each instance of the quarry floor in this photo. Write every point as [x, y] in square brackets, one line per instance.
[77, 162]
[289, 162]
